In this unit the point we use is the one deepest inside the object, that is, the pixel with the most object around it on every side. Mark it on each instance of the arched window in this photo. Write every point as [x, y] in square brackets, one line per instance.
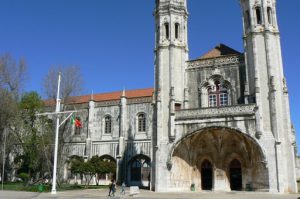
[270, 15]
[107, 124]
[167, 29]
[177, 26]
[217, 95]
[141, 122]
[258, 15]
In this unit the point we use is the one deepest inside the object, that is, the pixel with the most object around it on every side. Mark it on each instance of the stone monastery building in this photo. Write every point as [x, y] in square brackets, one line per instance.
[219, 122]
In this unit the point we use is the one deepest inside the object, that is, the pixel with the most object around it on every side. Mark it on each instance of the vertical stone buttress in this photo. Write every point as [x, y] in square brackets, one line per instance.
[91, 115]
[171, 54]
[122, 135]
[268, 90]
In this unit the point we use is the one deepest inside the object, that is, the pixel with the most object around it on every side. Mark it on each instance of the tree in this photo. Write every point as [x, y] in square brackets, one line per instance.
[12, 74]
[102, 166]
[91, 168]
[71, 82]
[34, 136]
[12, 77]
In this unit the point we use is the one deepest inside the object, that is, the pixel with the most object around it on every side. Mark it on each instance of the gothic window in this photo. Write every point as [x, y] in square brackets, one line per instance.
[141, 122]
[217, 95]
[270, 15]
[212, 100]
[223, 99]
[177, 30]
[258, 15]
[107, 124]
[247, 19]
[167, 29]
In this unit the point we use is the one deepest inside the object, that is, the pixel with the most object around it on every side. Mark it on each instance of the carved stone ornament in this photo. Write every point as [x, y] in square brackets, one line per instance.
[238, 110]
[169, 165]
[258, 134]
[216, 61]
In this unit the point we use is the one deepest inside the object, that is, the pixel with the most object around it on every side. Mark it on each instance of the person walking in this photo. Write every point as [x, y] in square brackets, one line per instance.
[110, 187]
[123, 188]
[113, 188]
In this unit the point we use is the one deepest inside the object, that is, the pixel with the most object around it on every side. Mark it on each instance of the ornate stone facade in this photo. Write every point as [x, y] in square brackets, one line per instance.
[220, 122]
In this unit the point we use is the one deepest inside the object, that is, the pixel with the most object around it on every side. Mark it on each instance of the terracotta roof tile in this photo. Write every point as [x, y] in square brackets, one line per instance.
[148, 92]
[219, 50]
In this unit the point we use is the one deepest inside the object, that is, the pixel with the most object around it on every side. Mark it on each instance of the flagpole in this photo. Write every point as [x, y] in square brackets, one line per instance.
[3, 164]
[57, 110]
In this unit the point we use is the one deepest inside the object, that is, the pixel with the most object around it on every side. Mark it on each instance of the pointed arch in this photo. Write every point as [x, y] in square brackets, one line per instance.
[139, 169]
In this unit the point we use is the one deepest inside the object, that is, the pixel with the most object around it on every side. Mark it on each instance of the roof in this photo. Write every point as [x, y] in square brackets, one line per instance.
[148, 92]
[218, 51]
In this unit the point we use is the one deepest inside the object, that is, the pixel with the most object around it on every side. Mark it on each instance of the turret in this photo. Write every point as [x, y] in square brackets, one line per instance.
[267, 88]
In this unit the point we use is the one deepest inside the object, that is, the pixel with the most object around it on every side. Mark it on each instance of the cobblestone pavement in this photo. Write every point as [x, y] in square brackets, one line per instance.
[102, 194]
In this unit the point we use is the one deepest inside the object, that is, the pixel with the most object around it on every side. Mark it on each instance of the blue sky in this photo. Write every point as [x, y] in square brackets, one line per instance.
[112, 41]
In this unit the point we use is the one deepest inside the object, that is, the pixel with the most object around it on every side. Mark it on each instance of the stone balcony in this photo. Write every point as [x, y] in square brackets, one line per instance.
[240, 110]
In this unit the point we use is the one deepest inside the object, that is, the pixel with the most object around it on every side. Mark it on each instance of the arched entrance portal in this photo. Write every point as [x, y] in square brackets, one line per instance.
[139, 171]
[218, 158]
[206, 175]
[235, 172]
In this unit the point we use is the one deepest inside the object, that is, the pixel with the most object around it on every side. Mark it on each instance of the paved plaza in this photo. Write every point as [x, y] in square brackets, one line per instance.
[99, 194]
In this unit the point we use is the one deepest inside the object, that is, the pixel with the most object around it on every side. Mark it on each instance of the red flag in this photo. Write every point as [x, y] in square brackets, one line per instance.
[78, 122]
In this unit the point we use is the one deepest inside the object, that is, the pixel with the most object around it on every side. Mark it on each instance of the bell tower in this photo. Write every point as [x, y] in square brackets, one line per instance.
[268, 89]
[171, 54]
[171, 48]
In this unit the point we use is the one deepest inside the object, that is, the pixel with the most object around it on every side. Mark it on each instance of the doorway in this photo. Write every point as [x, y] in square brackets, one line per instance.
[206, 175]
[235, 172]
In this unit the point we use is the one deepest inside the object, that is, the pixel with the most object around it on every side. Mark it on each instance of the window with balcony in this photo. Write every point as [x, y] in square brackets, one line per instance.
[217, 95]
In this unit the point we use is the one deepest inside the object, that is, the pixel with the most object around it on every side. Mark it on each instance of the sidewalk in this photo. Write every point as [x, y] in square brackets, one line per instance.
[102, 194]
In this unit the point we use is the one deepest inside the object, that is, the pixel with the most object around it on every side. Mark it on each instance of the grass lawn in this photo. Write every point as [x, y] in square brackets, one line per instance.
[47, 188]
